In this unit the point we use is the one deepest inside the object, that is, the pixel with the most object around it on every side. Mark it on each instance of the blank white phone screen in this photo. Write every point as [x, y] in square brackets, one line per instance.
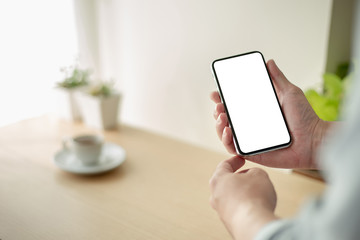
[251, 103]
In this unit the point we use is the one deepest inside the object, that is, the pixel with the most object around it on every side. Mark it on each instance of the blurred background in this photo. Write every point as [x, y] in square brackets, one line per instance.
[158, 53]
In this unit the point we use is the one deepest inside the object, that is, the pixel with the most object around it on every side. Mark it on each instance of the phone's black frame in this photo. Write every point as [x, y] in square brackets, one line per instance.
[237, 146]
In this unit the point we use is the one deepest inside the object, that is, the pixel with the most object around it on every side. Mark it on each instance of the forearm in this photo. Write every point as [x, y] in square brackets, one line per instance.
[246, 223]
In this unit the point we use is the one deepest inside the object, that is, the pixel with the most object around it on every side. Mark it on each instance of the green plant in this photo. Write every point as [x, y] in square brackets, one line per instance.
[102, 90]
[74, 77]
[327, 104]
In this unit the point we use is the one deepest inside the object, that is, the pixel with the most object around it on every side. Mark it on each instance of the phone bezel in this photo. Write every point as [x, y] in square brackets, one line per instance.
[237, 146]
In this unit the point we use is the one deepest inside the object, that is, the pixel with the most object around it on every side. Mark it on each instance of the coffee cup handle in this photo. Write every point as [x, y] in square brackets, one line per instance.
[66, 143]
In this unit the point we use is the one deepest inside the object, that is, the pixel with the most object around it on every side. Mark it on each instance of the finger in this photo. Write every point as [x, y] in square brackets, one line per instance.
[279, 79]
[256, 171]
[230, 165]
[244, 171]
[215, 97]
[219, 108]
[227, 139]
[221, 123]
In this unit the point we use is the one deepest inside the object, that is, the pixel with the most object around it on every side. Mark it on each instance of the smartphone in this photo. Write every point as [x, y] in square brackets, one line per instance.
[252, 106]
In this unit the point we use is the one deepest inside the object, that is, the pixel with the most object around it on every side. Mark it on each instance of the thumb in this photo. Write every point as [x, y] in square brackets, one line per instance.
[278, 78]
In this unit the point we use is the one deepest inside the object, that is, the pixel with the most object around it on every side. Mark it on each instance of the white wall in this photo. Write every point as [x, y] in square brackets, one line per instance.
[160, 53]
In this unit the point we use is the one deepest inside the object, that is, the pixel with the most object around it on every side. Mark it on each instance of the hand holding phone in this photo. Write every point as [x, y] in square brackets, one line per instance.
[251, 103]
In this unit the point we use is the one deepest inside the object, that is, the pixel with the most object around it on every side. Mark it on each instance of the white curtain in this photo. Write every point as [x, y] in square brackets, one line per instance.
[88, 35]
[96, 25]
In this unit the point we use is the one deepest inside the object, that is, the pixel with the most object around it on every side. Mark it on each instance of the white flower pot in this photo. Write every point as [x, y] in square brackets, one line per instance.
[66, 104]
[99, 112]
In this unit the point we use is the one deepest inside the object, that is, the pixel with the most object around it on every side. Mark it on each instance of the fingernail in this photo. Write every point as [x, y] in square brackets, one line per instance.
[224, 132]
[219, 120]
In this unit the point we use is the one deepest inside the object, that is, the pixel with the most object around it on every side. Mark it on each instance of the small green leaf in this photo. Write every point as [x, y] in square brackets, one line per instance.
[74, 77]
[342, 70]
[333, 87]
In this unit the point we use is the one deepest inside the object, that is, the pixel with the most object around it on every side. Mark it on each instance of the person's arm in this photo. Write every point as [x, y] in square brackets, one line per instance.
[306, 128]
[245, 200]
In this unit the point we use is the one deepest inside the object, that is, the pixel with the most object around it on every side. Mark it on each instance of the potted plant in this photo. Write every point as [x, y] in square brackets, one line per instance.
[99, 105]
[327, 102]
[74, 80]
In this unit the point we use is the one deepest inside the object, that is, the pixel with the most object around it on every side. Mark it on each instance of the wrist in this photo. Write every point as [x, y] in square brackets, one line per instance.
[319, 135]
[247, 222]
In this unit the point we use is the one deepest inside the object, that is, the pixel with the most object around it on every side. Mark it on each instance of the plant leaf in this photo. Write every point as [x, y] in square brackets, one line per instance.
[326, 108]
[333, 87]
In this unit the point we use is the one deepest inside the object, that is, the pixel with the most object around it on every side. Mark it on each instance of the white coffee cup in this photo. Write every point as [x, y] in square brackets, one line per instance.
[87, 148]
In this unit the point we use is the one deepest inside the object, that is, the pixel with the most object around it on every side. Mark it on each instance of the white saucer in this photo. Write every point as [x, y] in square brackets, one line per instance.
[112, 156]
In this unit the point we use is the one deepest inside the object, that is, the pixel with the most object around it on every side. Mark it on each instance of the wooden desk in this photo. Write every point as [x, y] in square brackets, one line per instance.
[160, 192]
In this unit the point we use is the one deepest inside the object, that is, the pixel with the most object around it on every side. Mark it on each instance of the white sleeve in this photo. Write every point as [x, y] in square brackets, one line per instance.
[334, 216]
[280, 229]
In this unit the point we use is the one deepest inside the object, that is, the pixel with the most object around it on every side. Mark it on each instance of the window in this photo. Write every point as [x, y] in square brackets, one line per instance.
[37, 38]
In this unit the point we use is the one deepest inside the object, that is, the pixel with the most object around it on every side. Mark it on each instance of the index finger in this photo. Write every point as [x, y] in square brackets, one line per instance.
[230, 165]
